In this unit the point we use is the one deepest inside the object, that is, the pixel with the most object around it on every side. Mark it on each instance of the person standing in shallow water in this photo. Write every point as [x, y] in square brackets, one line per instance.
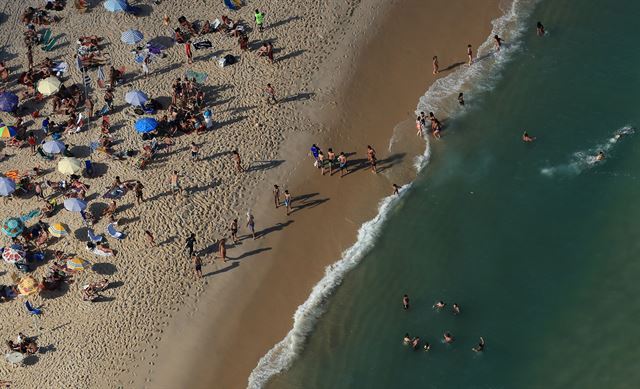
[436, 67]
[405, 301]
[539, 29]
[461, 99]
[470, 54]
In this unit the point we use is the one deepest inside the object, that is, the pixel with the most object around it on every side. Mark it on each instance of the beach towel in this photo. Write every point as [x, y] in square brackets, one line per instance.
[199, 77]
[204, 44]
[115, 194]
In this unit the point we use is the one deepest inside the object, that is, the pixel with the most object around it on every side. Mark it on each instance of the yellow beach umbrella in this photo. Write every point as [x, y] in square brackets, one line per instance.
[49, 86]
[69, 165]
[28, 286]
[58, 230]
[77, 264]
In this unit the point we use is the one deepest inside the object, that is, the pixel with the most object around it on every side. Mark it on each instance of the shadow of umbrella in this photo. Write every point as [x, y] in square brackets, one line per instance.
[164, 41]
[104, 268]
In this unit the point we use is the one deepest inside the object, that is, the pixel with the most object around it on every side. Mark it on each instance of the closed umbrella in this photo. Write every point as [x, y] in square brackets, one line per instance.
[8, 131]
[28, 286]
[8, 102]
[53, 147]
[12, 227]
[13, 254]
[49, 85]
[58, 230]
[131, 37]
[7, 186]
[77, 264]
[116, 5]
[75, 205]
[69, 165]
[136, 97]
[145, 125]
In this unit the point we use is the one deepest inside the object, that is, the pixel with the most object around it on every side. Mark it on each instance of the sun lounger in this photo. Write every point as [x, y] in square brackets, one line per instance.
[45, 36]
[113, 232]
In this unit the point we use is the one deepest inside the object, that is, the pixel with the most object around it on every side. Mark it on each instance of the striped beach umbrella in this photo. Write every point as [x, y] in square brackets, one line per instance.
[7, 186]
[69, 165]
[116, 5]
[136, 97]
[77, 264]
[28, 286]
[13, 254]
[8, 131]
[12, 227]
[8, 102]
[49, 85]
[131, 37]
[58, 230]
[75, 205]
[145, 125]
[53, 147]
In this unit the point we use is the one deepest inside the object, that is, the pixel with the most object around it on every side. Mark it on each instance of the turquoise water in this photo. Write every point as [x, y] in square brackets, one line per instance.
[537, 245]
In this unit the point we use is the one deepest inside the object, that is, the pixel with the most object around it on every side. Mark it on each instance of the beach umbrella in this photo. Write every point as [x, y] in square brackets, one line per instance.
[28, 286]
[144, 125]
[13, 254]
[77, 264]
[116, 5]
[69, 165]
[8, 102]
[136, 97]
[12, 227]
[75, 205]
[58, 230]
[8, 131]
[49, 85]
[7, 186]
[53, 147]
[131, 37]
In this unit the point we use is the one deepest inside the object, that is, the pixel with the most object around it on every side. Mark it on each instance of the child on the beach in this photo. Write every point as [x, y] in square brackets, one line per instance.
[197, 264]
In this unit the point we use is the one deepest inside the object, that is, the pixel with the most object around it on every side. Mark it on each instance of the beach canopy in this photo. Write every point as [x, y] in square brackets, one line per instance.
[12, 227]
[69, 165]
[78, 264]
[28, 286]
[136, 97]
[58, 230]
[53, 147]
[8, 102]
[13, 254]
[7, 186]
[49, 86]
[116, 5]
[131, 37]
[75, 205]
[8, 131]
[144, 125]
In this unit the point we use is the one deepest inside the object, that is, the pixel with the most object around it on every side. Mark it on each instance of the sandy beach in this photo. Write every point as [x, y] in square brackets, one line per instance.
[343, 81]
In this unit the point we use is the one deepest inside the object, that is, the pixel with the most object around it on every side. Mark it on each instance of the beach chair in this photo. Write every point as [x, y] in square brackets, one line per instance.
[113, 232]
[88, 168]
[45, 36]
[49, 45]
[34, 312]
[93, 237]
[44, 155]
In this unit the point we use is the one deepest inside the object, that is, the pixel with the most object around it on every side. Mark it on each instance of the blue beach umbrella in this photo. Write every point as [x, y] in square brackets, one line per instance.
[116, 5]
[7, 186]
[74, 205]
[12, 227]
[145, 125]
[136, 97]
[53, 147]
[8, 102]
[131, 37]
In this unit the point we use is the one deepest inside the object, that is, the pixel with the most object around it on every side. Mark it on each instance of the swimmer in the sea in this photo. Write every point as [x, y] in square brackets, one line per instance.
[405, 301]
[406, 339]
[448, 338]
[600, 156]
[415, 342]
[527, 138]
[456, 309]
[480, 347]
[439, 305]
[426, 346]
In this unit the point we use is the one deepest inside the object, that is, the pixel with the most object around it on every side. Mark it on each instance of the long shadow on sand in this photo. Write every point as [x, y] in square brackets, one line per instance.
[231, 266]
[306, 201]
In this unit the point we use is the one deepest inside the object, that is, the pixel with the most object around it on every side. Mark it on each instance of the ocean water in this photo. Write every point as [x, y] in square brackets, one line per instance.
[536, 242]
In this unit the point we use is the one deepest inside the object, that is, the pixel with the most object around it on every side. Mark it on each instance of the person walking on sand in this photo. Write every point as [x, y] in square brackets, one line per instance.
[222, 249]
[396, 189]
[371, 153]
[189, 244]
[331, 157]
[234, 230]
[321, 161]
[470, 54]
[251, 223]
[194, 150]
[271, 94]
[175, 183]
[287, 201]
[137, 188]
[497, 42]
[187, 51]
[276, 195]
[149, 237]
[145, 65]
[315, 151]
[197, 265]
[237, 161]
[436, 68]
[342, 162]
[259, 16]
[108, 98]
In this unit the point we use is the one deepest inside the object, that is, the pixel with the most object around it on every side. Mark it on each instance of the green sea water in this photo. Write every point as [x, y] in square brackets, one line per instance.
[537, 245]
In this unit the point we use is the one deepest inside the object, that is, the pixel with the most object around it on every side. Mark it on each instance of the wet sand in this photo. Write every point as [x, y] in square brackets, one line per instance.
[366, 91]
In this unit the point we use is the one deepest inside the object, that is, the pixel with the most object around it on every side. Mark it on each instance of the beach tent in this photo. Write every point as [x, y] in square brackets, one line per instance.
[145, 125]
[69, 165]
[117, 6]
[131, 37]
[136, 97]
[233, 5]
[7, 186]
[49, 86]
[8, 102]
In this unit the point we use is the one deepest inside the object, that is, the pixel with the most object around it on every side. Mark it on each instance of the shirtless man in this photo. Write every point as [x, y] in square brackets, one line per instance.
[435, 65]
[287, 201]
[527, 138]
[222, 250]
[497, 42]
[175, 184]
[234, 230]
[342, 162]
[237, 161]
[276, 195]
[371, 153]
[331, 157]
[251, 224]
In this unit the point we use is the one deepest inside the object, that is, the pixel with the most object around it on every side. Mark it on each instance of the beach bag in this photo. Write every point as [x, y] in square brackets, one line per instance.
[203, 45]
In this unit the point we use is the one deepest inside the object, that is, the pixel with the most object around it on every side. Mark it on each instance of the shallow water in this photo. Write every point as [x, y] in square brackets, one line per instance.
[543, 264]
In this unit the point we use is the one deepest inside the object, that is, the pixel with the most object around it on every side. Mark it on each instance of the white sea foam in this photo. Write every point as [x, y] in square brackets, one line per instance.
[441, 99]
[586, 159]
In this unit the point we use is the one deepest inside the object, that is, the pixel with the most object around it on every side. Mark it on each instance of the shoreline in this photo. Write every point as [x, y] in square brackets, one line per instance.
[260, 305]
